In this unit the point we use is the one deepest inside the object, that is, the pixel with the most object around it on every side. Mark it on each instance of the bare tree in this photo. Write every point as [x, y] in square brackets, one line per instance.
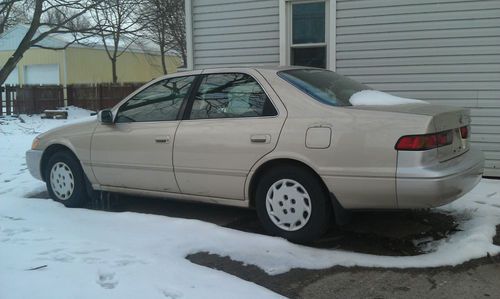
[10, 13]
[165, 26]
[41, 25]
[118, 26]
[80, 25]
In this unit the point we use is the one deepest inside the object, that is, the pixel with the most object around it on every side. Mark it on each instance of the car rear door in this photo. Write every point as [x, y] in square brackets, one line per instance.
[232, 120]
[136, 151]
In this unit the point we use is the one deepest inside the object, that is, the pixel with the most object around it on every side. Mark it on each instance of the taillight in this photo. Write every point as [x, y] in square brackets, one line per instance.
[424, 142]
[445, 138]
[464, 131]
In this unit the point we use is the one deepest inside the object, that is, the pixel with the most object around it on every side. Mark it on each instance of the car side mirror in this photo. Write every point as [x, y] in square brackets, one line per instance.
[106, 117]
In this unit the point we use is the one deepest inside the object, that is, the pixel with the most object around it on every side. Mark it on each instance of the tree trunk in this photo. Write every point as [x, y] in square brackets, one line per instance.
[113, 67]
[163, 61]
[8, 67]
[184, 59]
[182, 48]
[24, 45]
[11, 63]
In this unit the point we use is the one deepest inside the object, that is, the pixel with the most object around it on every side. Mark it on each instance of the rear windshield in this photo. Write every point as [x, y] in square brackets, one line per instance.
[325, 86]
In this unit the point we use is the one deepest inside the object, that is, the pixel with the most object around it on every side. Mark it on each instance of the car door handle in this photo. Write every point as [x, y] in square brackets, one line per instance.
[262, 138]
[162, 139]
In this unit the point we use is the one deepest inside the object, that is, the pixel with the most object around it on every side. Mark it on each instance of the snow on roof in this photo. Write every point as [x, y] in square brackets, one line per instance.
[12, 38]
[375, 97]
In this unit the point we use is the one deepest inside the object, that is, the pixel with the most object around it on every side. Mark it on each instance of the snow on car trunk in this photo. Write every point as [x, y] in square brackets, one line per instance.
[446, 119]
[79, 253]
[375, 97]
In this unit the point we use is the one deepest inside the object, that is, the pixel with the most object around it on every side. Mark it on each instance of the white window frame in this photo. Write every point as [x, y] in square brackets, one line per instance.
[285, 21]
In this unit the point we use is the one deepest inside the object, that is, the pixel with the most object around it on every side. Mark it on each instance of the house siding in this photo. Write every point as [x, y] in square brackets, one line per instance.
[443, 51]
[235, 32]
[93, 66]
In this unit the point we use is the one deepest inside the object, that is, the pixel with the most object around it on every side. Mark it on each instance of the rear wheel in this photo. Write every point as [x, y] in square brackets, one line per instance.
[65, 180]
[292, 203]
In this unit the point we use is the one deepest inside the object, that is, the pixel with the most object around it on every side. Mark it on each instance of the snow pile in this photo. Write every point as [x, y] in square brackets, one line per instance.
[375, 97]
[95, 254]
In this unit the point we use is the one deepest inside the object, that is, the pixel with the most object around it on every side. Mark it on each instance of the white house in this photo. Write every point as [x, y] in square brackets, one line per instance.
[443, 51]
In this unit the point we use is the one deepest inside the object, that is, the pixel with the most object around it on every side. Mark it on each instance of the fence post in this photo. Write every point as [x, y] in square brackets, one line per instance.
[7, 100]
[68, 95]
[15, 102]
[18, 102]
[33, 98]
[99, 99]
[61, 96]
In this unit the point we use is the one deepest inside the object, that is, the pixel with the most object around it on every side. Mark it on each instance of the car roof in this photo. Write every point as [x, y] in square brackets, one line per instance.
[263, 67]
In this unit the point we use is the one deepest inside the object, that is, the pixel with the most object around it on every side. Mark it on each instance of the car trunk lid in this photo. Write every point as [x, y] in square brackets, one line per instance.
[444, 118]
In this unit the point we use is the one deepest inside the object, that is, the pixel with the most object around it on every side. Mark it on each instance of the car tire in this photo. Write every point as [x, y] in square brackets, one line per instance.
[65, 180]
[292, 203]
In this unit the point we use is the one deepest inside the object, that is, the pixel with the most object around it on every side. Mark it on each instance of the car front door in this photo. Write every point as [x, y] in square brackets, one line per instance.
[229, 124]
[136, 150]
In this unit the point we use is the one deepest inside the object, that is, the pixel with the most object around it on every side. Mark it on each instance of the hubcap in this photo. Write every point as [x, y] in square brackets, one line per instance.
[288, 205]
[62, 181]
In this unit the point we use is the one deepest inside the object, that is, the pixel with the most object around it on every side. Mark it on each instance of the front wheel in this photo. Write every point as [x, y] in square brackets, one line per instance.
[293, 204]
[65, 180]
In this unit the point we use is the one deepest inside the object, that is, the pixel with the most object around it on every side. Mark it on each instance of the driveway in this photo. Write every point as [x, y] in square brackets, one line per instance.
[381, 233]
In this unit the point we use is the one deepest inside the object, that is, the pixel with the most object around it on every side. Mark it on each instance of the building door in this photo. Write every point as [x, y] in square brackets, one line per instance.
[41, 74]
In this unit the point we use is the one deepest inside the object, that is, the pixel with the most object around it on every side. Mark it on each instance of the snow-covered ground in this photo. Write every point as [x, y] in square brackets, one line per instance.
[93, 254]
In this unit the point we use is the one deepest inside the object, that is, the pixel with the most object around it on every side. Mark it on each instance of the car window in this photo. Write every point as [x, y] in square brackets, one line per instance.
[231, 95]
[325, 86]
[158, 102]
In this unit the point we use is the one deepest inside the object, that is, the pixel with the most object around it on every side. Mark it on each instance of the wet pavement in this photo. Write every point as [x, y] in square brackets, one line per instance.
[384, 233]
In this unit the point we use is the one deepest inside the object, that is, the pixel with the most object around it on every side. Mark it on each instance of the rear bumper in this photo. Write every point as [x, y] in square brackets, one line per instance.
[439, 184]
[33, 161]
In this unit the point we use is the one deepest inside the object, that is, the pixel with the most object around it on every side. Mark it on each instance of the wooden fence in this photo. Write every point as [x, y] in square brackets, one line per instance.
[36, 99]
[99, 96]
[31, 99]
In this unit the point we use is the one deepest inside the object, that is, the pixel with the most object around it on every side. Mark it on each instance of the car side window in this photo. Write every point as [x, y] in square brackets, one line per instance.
[158, 102]
[231, 95]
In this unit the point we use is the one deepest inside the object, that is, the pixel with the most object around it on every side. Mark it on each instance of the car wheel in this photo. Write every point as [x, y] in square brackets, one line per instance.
[291, 202]
[65, 180]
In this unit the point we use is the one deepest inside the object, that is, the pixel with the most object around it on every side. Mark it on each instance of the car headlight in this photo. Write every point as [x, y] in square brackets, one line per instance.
[35, 144]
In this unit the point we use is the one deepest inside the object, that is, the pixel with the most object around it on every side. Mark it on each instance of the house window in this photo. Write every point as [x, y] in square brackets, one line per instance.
[308, 34]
